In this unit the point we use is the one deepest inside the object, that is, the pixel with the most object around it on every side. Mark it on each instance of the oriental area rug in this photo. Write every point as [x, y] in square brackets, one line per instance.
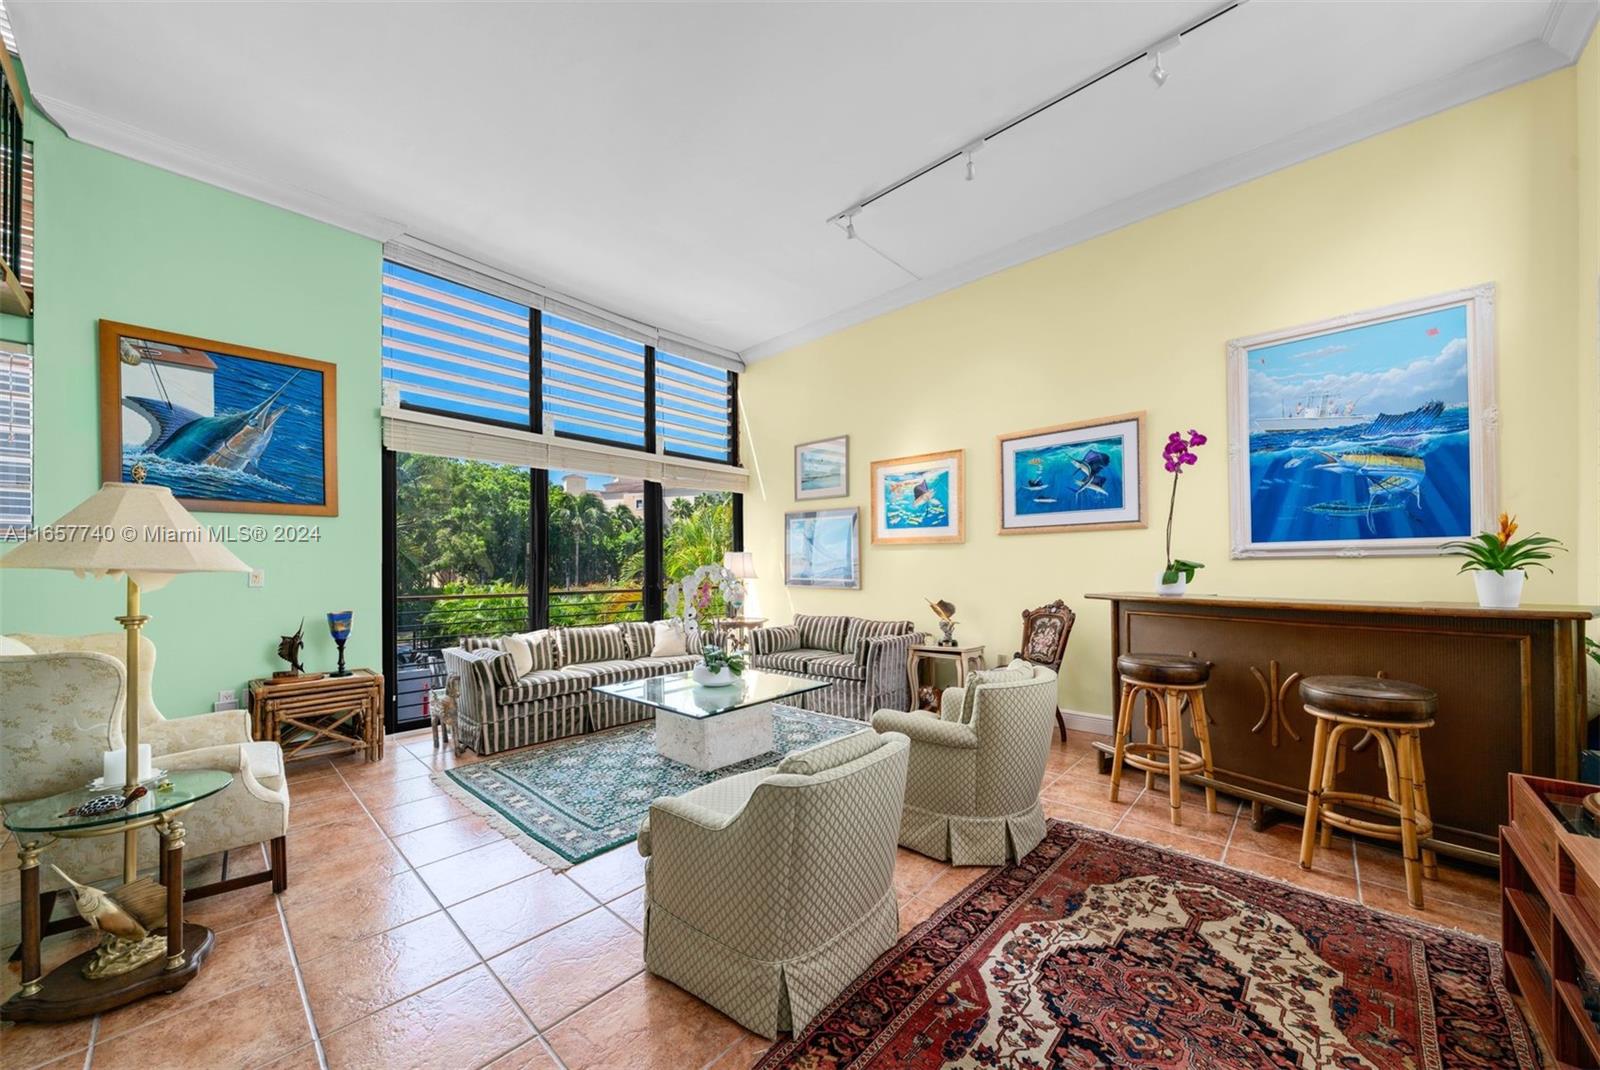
[1098, 951]
[578, 797]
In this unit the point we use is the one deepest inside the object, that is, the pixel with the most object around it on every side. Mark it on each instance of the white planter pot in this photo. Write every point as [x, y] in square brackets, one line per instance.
[1171, 589]
[703, 676]
[1500, 590]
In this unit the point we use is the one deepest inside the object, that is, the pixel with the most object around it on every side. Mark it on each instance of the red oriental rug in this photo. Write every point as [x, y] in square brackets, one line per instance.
[1099, 951]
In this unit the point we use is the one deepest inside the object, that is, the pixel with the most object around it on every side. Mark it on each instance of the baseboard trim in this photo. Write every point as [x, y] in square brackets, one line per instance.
[1096, 724]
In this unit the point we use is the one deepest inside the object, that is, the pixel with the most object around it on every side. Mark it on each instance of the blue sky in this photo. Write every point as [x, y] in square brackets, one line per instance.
[1391, 367]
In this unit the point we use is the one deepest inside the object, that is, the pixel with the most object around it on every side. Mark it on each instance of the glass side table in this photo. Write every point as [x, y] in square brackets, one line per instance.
[123, 968]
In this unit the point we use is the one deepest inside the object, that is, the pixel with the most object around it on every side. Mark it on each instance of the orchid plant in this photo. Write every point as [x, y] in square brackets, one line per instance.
[1179, 454]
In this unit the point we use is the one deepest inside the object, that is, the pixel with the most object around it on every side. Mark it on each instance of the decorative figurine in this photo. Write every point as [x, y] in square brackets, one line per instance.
[339, 628]
[289, 650]
[126, 919]
[946, 612]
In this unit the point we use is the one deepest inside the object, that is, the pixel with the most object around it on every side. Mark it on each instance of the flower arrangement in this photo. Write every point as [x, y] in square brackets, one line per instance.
[691, 599]
[717, 659]
[1179, 454]
[1499, 562]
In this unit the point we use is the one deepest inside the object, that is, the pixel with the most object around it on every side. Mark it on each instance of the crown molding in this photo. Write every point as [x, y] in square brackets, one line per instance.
[1526, 61]
[124, 139]
[1569, 25]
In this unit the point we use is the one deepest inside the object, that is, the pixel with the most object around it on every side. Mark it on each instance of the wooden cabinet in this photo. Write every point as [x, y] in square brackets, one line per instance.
[315, 716]
[1510, 684]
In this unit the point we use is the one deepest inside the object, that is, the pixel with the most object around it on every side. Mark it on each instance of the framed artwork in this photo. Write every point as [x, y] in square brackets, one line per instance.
[822, 548]
[228, 428]
[1085, 476]
[822, 468]
[919, 499]
[1370, 434]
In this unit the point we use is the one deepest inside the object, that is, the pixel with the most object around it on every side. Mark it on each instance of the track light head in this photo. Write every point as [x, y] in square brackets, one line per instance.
[850, 222]
[969, 151]
[1158, 73]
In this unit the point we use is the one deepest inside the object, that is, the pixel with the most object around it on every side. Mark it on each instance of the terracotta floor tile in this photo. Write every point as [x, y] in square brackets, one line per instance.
[1458, 883]
[383, 794]
[334, 804]
[317, 876]
[630, 908]
[1280, 868]
[614, 873]
[1164, 835]
[53, 951]
[1090, 792]
[743, 1054]
[533, 1055]
[29, 1044]
[445, 839]
[324, 924]
[465, 875]
[953, 880]
[1435, 911]
[555, 974]
[370, 974]
[644, 1024]
[916, 910]
[914, 872]
[307, 769]
[307, 845]
[1154, 808]
[506, 916]
[1105, 818]
[249, 954]
[408, 817]
[302, 1058]
[1283, 840]
[223, 912]
[462, 1022]
[241, 1029]
[396, 765]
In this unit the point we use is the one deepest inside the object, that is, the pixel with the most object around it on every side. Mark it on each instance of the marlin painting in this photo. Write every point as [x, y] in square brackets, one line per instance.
[1088, 477]
[234, 440]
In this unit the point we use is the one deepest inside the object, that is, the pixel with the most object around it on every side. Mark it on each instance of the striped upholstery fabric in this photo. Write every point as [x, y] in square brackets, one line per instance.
[481, 642]
[859, 631]
[595, 673]
[543, 646]
[835, 667]
[794, 661]
[542, 683]
[822, 633]
[775, 639]
[601, 642]
[638, 637]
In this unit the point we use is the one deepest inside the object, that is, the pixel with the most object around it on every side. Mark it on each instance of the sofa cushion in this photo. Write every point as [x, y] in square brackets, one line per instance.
[859, 631]
[667, 639]
[788, 660]
[836, 667]
[832, 754]
[542, 646]
[638, 637]
[543, 684]
[775, 639]
[582, 646]
[481, 642]
[822, 633]
[661, 666]
[613, 672]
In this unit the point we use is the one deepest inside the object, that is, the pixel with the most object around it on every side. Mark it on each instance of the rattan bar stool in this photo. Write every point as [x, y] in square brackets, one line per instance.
[1169, 684]
[1395, 713]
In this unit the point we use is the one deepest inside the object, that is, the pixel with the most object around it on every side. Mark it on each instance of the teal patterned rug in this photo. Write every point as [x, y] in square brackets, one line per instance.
[582, 796]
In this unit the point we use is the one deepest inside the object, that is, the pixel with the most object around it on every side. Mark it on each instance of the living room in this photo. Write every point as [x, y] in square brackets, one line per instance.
[899, 535]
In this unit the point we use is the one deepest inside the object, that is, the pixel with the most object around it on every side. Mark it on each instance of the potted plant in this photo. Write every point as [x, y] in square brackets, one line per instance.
[1499, 564]
[691, 601]
[719, 667]
[1178, 454]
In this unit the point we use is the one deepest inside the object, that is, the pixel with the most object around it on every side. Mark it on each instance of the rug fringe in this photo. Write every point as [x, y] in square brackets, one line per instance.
[497, 821]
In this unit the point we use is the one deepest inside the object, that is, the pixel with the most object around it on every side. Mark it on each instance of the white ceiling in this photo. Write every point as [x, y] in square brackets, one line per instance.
[677, 162]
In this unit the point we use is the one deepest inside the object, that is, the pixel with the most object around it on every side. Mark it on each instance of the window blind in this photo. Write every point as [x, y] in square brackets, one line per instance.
[453, 348]
[16, 444]
[593, 381]
[694, 407]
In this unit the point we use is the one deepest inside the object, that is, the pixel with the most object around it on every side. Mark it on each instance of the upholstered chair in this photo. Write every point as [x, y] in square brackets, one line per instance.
[972, 792]
[1044, 642]
[767, 892]
[64, 706]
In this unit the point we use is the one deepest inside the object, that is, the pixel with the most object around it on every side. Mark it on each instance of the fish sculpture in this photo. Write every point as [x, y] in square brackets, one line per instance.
[127, 918]
[233, 440]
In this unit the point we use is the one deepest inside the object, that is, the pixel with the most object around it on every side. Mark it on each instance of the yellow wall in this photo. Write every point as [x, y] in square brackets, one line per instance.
[1587, 92]
[1137, 319]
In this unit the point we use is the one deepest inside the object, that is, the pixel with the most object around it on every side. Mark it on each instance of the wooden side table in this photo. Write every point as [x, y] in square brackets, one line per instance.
[964, 658]
[315, 716]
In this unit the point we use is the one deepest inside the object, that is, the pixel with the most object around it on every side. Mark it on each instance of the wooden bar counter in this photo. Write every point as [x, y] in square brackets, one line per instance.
[1511, 686]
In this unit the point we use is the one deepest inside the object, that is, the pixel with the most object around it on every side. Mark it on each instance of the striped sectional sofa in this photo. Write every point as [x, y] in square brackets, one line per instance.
[864, 661]
[500, 708]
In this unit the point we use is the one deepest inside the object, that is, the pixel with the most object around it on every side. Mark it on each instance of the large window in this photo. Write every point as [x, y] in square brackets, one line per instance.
[595, 543]
[16, 444]
[593, 383]
[694, 408]
[697, 529]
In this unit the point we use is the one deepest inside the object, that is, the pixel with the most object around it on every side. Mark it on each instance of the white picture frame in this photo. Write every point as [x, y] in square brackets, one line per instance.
[822, 469]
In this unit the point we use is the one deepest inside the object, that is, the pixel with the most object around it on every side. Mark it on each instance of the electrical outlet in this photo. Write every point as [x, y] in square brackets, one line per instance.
[228, 695]
[258, 577]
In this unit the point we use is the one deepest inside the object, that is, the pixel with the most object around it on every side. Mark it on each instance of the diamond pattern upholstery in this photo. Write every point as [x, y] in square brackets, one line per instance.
[767, 893]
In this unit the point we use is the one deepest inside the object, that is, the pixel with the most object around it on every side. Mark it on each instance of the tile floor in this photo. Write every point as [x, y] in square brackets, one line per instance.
[414, 935]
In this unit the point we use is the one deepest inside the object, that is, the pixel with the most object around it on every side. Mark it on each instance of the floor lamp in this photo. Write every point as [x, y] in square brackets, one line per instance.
[138, 531]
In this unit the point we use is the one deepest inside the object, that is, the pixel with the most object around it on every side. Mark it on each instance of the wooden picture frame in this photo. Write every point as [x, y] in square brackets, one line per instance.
[1092, 460]
[826, 447]
[204, 418]
[799, 562]
[920, 499]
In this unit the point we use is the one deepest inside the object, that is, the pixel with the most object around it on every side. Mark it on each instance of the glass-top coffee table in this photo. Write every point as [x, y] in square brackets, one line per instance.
[710, 727]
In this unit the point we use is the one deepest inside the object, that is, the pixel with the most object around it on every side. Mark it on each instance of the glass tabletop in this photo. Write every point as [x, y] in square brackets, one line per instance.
[50, 814]
[678, 693]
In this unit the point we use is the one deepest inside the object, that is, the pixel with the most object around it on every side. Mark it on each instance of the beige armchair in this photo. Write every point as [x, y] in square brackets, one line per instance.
[972, 792]
[64, 706]
[768, 892]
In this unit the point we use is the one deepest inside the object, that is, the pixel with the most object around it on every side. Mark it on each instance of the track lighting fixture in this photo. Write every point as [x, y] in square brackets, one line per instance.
[849, 218]
[1158, 73]
[969, 151]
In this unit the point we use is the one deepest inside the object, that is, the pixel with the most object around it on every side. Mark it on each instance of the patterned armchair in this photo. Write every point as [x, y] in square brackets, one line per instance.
[766, 893]
[64, 706]
[1044, 642]
[972, 793]
[864, 661]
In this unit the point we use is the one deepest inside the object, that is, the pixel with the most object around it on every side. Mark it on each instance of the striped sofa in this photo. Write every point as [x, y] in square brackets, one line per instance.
[864, 661]
[500, 708]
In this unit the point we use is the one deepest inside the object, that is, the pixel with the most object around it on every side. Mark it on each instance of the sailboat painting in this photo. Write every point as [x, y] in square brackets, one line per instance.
[1084, 476]
[227, 428]
[1366, 434]
[822, 548]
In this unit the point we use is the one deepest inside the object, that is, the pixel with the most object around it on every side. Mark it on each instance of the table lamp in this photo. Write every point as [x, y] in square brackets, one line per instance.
[140, 532]
[742, 563]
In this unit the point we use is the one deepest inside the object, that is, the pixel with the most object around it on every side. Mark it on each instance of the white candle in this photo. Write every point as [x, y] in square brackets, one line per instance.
[114, 765]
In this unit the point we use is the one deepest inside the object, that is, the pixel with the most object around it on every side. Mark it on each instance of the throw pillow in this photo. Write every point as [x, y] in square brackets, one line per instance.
[829, 755]
[822, 633]
[581, 646]
[542, 647]
[638, 636]
[521, 654]
[670, 642]
[858, 631]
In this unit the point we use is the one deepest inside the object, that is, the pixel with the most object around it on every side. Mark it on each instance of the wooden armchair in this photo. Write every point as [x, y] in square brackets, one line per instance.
[1044, 642]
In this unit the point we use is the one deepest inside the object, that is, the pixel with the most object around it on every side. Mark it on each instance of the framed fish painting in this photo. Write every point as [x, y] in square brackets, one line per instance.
[1086, 476]
[822, 548]
[822, 468]
[226, 427]
[920, 499]
[1369, 434]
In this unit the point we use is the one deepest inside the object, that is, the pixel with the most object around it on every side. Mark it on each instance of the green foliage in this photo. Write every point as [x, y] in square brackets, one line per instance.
[504, 608]
[1594, 649]
[1487, 552]
[716, 658]
[1179, 567]
[460, 522]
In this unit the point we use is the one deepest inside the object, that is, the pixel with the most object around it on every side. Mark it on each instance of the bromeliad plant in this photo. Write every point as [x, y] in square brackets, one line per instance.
[1494, 551]
[1178, 455]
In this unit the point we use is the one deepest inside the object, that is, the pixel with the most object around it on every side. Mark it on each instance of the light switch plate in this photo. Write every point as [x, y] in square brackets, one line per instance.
[258, 577]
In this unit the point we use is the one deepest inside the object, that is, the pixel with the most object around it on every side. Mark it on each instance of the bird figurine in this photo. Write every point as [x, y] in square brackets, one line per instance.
[126, 918]
[946, 612]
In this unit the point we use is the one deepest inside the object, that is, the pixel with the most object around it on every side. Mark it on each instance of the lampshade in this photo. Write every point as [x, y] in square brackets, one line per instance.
[135, 529]
[742, 563]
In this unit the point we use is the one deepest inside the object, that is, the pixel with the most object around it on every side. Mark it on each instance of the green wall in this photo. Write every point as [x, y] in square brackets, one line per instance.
[124, 241]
